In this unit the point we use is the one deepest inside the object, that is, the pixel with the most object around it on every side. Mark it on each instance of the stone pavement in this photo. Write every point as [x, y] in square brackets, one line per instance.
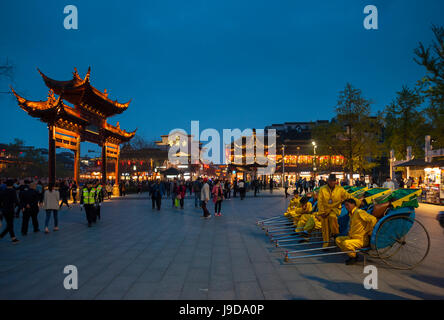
[138, 253]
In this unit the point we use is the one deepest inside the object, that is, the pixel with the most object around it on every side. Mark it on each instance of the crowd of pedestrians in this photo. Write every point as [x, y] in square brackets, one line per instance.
[27, 198]
[202, 191]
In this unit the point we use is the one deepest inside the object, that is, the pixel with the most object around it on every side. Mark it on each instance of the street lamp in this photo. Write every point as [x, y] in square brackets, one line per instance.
[314, 157]
[283, 164]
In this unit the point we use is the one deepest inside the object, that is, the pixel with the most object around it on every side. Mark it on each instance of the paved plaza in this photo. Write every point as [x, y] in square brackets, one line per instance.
[139, 253]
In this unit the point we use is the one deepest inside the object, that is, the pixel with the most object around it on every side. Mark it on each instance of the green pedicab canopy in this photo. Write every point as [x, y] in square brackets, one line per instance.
[401, 198]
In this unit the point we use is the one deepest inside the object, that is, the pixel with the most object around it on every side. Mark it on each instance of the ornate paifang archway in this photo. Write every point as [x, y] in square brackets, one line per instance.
[86, 121]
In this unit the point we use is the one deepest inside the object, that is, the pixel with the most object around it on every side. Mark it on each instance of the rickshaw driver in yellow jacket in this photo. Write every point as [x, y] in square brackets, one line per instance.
[294, 202]
[330, 199]
[361, 227]
[304, 208]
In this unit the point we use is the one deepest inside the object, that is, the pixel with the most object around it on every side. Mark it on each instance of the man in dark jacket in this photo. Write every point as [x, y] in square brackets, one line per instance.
[64, 193]
[100, 195]
[8, 201]
[197, 187]
[29, 201]
[157, 191]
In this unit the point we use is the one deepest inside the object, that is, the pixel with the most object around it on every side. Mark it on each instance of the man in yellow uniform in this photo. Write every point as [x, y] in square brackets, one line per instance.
[330, 199]
[304, 208]
[361, 227]
[88, 201]
[292, 205]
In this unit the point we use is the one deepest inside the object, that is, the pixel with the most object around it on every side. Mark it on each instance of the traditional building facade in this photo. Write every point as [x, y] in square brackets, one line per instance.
[86, 121]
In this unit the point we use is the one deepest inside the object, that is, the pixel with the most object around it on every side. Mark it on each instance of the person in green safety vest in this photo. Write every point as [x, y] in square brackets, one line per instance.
[99, 198]
[88, 201]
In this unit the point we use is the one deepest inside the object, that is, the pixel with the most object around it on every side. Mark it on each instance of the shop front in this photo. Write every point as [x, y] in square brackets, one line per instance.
[429, 176]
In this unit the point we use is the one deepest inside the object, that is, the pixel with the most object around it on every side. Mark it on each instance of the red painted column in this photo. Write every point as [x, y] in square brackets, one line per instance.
[51, 155]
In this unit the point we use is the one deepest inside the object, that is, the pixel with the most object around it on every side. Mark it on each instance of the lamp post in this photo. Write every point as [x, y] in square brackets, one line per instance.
[283, 164]
[314, 158]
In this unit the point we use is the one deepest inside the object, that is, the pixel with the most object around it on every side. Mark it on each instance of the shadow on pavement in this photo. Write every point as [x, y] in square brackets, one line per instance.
[354, 289]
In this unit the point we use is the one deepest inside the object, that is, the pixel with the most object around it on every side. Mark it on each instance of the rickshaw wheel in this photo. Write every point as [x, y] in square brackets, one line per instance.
[408, 242]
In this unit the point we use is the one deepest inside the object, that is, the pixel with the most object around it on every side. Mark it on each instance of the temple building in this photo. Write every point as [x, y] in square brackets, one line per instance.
[295, 145]
[85, 121]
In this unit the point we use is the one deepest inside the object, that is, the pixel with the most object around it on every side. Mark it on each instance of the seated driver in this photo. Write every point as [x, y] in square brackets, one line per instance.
[304, 208]
[294, 202]
[361, 227]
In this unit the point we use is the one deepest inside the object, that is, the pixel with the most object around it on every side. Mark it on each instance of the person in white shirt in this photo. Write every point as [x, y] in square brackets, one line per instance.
[241, 187]
[205, 197]
[51, 199]
[389, 184]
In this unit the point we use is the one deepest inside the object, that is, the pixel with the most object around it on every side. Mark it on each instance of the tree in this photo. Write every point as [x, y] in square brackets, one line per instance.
[354, 133]
[27, 162]
[404, 123]
[139, 143]
[432, 84]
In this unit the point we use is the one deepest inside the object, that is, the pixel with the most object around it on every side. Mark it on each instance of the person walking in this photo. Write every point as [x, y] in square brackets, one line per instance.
[181, 192]
[39, 188]
[205, 197]
[235, 188]
[218, 197]
[256, 187]
[157, 191]
[100, 195]
[88, 201]
[74, 192]
[173, 192]
[271, 185]
[64, 193]
[285, 188]
[197, 187]
[122, 187]
[227, 189]
[29, 199]
[8, 202]
[17, 187]
[109, 190]
[305, 186]
[51, 199]
[241, 187]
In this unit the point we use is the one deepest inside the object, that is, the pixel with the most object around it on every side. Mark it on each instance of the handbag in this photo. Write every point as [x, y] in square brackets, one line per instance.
[177, 202]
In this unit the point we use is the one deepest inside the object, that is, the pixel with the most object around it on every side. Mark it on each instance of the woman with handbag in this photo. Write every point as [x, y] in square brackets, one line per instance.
[181, 191]
[218, 196]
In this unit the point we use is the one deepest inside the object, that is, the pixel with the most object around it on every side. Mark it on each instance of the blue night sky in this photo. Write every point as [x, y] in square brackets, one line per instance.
[228, 63]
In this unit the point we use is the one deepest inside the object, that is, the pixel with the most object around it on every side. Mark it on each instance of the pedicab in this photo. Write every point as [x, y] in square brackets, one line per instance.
[398, 238]
[282, 225]
[286, 235]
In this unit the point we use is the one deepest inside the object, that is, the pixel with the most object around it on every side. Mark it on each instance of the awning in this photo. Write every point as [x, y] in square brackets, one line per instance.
[422, 163]
[171, 172]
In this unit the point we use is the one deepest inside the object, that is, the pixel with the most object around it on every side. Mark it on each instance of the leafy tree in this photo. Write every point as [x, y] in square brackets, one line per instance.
[354, 133]
[139, 142]
[432, 84]
[28, 161]
[404, 123]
